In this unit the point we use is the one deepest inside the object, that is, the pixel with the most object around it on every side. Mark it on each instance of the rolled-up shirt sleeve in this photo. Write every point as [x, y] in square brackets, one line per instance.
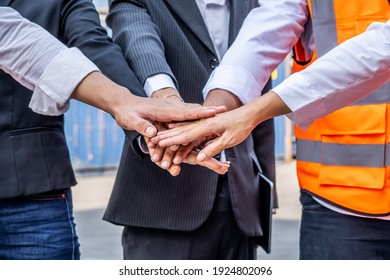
[59, 79]
[40, 62]
[341, 77]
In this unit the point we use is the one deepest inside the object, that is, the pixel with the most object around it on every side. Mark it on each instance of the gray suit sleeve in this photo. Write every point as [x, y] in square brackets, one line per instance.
[137, 35]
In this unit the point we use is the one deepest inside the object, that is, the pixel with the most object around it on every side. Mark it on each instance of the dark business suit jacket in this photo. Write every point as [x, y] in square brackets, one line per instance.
[34, 157]
[170, 36]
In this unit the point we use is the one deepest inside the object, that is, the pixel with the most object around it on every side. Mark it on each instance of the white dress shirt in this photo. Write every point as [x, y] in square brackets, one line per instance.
[216, 15]
[40, 62]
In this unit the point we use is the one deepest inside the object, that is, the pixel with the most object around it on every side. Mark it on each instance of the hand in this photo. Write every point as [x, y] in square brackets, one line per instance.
[214, 97]
[230, 128]
[217, 97]
[132, 112]
[191, 158]
[171, 158]
[162, 156]
[137, 113]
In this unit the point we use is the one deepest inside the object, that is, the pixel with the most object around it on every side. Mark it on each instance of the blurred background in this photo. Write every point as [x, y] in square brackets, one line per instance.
[95, 143]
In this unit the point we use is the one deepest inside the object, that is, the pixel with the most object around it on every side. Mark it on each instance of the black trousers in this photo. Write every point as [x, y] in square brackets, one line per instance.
[218, 238]
[329, 235]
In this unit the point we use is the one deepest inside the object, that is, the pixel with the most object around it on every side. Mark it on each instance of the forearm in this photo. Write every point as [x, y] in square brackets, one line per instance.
[100, 92]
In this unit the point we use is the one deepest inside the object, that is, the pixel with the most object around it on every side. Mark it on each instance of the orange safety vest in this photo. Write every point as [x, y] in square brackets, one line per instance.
[344, 157]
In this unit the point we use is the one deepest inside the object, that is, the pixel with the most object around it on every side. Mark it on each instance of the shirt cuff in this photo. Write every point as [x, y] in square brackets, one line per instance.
[303, 98]
[237, 80]
[142, 144]
[58, 81]
[157, 82]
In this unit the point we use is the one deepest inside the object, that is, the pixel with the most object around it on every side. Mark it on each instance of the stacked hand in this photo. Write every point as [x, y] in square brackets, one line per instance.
[170, 158]
[172, 147]
[226, 129]
[144, 115]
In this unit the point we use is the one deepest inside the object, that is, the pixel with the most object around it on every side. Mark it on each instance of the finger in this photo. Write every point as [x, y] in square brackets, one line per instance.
[212, 149]
[183, 135]
[174, 148]
[151, 145]
[220, 109]
[212, 164]
[178, 124]
[191, 115]
[183, 112]
[174, 170]
[194, 113]
[156, 153]
[167, 158]
[182, 153]
[171, 137]
[216, 166]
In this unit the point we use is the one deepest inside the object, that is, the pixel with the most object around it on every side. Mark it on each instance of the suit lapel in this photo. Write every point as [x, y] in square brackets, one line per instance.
[238, 11]
[189, 13]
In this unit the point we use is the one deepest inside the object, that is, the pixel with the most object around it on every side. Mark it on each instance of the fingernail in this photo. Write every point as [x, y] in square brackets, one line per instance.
[174, 171]
[174, 148]
[150, 131]
[154, 157]
[176, 160]
[201, 156]
[164, 164]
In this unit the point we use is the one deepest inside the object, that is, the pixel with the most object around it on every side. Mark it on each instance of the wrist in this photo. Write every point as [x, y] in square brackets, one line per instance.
[220, 97]
[119, 98]
[167, 93]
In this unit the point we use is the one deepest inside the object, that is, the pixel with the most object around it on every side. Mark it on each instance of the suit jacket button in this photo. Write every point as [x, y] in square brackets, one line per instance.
[214, 63]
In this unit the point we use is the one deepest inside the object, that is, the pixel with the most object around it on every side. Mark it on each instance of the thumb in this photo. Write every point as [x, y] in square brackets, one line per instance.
[145, 128]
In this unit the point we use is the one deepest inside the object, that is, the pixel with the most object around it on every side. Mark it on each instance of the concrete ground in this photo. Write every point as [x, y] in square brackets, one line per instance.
[102, 240]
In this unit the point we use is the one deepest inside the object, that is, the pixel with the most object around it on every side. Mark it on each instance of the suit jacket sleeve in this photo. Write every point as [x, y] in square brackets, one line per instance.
[81, 28]
[139, 38]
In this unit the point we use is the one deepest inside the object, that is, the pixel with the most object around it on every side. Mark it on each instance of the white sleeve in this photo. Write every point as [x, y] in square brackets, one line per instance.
[267, 35]
[40, 62]
[157, 82]
[344, 75]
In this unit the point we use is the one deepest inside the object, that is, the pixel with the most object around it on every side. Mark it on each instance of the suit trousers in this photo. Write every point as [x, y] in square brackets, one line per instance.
[218, 238]
[329, 235]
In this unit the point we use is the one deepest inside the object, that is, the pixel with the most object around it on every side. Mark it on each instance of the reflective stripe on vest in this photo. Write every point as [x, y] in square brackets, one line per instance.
[344, 158]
